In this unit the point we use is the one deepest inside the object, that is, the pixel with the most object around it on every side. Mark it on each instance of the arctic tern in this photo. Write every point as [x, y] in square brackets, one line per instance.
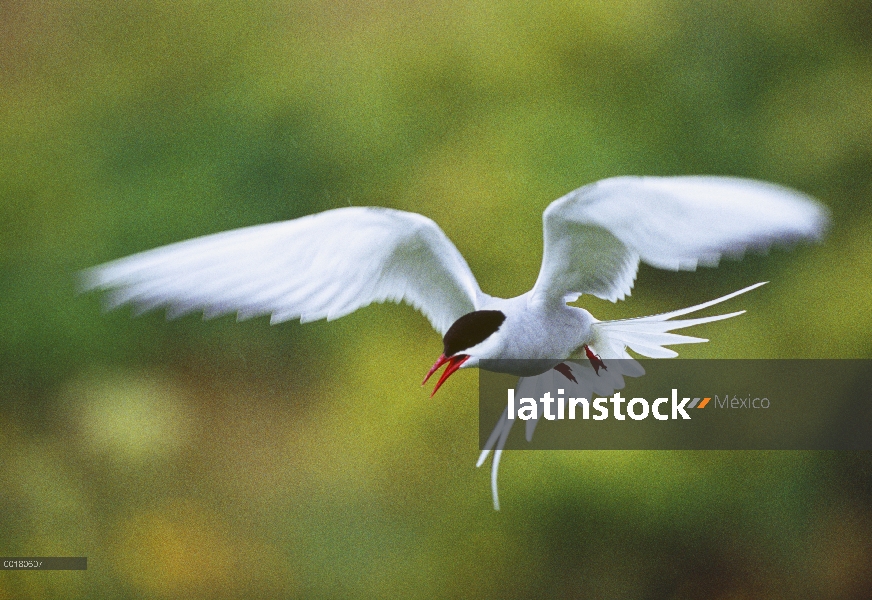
[329, 264]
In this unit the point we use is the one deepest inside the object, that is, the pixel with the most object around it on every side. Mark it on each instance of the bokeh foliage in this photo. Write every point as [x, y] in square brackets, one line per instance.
[220, 459]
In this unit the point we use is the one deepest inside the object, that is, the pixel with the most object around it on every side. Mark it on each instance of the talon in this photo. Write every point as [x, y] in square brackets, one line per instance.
[564, 369]
[595, 361]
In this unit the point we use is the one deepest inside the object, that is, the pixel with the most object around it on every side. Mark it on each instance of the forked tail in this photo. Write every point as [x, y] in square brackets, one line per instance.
[648, 335]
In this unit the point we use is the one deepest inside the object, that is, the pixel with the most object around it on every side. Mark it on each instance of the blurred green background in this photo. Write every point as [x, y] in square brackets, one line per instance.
[222, 460]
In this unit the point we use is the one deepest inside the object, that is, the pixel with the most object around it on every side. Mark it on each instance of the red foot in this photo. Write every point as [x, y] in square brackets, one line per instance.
[595, 361]
[564, 369]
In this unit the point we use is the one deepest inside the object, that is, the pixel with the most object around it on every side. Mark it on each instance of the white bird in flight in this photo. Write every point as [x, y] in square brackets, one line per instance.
[330, 264]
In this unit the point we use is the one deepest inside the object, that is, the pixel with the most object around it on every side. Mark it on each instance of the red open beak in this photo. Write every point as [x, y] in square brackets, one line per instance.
[453, 364]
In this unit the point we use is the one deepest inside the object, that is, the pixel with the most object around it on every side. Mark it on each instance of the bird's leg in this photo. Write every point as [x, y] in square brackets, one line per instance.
[564, 369]
[595, 361]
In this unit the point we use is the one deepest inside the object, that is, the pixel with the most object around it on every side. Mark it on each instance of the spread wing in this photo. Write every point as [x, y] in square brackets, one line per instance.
[596, 235]
[320, 266]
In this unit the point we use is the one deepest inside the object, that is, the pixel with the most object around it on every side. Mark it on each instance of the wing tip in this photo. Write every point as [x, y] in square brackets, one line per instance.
[88, 280]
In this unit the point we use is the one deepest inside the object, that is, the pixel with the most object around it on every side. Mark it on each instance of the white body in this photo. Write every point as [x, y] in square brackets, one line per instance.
[533, 330]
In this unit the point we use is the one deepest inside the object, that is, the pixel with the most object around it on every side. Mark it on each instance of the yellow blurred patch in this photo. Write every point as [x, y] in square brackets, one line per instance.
[130, 416]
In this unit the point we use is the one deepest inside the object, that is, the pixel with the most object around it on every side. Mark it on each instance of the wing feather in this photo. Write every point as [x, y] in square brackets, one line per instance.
[321, 266]
[596, 236]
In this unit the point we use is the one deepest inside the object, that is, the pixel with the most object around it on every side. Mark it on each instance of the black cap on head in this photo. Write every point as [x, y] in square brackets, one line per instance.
[471, 329]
